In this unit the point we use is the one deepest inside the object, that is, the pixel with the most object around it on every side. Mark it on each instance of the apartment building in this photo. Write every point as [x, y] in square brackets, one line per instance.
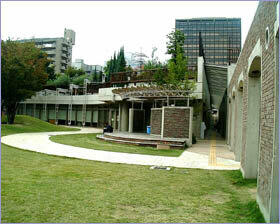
[59, 49]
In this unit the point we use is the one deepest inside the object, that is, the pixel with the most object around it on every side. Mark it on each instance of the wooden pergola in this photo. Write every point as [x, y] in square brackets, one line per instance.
[152, 93]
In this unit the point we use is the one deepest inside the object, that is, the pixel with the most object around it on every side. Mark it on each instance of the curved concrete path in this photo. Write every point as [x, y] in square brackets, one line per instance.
[40, 142]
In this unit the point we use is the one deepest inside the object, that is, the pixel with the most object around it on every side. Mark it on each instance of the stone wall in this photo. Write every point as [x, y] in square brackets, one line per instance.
[156, 117]
[176, 123]
[265, 17]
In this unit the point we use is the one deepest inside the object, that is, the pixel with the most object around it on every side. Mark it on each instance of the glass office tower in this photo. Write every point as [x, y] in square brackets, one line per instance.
[221, 39]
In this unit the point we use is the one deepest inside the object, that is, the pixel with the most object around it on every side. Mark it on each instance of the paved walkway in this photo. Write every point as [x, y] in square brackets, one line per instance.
[39, 142]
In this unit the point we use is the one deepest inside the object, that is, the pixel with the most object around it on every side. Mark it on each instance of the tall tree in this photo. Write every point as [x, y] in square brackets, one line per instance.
[175, 44]
[122, 62]
[116, 64]
[178, 73]
[24, 71]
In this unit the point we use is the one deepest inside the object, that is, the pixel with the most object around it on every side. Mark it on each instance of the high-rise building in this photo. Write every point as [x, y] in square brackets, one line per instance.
[220, 37]
[59, 50]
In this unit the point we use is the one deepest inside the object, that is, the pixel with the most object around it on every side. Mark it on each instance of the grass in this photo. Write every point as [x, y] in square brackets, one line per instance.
[90, 141]
[25, 124]
[40, 188]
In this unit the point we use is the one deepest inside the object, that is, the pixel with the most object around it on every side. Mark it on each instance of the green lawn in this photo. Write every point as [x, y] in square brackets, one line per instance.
[25, 124]
[41, 188]
[91, 142]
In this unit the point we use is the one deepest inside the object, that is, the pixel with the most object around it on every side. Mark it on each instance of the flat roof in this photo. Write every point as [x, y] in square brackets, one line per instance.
[41, 39]
[209, 18]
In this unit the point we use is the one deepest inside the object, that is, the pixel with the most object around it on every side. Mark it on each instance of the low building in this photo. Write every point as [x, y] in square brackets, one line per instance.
[95, 104]
[59, 50]
[89, 69]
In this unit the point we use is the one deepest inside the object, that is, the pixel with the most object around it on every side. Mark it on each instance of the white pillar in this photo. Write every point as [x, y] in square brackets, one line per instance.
[124, 116]
[119, 121]
[238, 140]
[131, 117]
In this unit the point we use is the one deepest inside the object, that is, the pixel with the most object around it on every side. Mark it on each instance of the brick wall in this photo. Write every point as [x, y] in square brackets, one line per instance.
[264, 17]
[176, 122]
[156, 114]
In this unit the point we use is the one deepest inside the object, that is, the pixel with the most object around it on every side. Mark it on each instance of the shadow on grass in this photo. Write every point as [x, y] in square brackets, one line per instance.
[238, 180]
[249, 209]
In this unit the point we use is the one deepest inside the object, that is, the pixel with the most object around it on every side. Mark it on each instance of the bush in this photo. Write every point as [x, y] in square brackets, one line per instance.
[4, 119]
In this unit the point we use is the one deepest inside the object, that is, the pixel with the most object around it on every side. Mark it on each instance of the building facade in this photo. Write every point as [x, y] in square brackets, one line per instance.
[89, 69]
[221, 39]
[253, 104]
[59, 50]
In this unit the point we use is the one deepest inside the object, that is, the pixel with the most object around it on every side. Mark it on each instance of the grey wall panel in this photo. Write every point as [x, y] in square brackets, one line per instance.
[79, 116]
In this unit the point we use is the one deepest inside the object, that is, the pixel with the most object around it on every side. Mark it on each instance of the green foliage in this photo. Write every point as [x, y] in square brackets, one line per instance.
[238, 180]
[71, 75]
[175, 44]
[62, 81]
[178, 74]
[177, 77]
[117, 64]
[128, 69]
[152, 64]
[23, 72]
[79, 80]
[72, 72]
[51, 72]
[121, 61]
[160, 77]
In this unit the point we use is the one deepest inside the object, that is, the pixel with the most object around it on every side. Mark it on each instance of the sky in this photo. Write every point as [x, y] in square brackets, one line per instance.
[102, 27]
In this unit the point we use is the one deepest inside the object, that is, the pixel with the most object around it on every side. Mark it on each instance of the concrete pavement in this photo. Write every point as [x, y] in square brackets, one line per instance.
[40, 142]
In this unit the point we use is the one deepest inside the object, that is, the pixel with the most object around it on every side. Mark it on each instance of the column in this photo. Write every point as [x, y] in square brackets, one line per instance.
[131, 117]
[124, 116]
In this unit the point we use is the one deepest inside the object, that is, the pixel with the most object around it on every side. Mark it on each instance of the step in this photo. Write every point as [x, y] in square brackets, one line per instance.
[140, 143]
[141, 139]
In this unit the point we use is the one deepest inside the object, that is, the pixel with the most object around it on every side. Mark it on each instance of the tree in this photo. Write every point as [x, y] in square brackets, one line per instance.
[122, 62]
[24, 71]
[72, 72]
[178, 73]
[51, 72]
[175, 44]
[116, 64]
[160, 77]
[152, 64]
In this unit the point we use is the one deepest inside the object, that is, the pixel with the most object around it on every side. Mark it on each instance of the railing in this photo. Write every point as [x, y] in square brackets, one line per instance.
[134, 76]
[142, 75]
[124, 78]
